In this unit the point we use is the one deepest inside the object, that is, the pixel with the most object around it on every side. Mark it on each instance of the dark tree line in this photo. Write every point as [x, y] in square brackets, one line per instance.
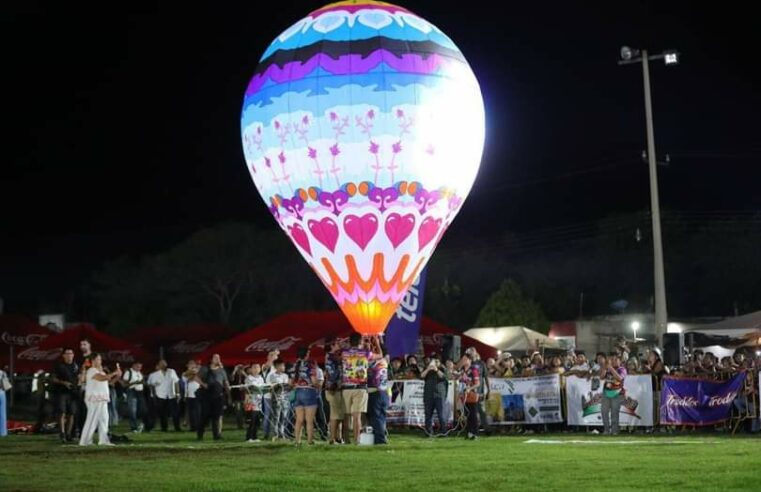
[242, 275]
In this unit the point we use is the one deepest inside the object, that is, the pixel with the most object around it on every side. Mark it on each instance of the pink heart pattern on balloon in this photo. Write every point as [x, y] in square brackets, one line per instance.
[299, 236]
[428, 230]
[325, 231]
[361, 229]
[398, 227]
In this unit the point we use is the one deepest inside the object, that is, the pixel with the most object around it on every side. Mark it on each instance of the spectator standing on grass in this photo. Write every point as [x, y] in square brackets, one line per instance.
[435, 394]
[277, 399]
[483, 385]
[254, 382]
[333, 394]
[5, 385]
[84, 363]
[133, 383]
[355, 362]
[193, 398]
[66, 390]
[470, 380]
[97, 397]
[613, 375]
[268, 368]
[164, 384]
[216, 391]
[306, 383]
[113, 412]
[377, 392]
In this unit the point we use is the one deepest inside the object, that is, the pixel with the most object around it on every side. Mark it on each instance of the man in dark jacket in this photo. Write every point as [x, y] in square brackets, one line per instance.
[435, 394]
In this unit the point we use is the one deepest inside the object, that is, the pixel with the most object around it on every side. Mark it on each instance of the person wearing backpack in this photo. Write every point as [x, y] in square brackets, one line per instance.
[133, 381]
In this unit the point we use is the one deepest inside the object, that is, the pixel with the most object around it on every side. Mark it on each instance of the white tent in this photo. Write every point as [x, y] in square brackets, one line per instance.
[732, 327]
[512, 338]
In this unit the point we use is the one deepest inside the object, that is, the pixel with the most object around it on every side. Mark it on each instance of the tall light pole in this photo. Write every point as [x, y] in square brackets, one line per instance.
[629, 56]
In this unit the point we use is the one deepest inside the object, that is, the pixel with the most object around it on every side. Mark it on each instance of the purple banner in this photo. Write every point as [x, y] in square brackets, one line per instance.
[694, 401]
[404, 328]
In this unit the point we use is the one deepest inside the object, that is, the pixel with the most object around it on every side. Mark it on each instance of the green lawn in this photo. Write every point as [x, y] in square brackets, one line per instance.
[175, 461]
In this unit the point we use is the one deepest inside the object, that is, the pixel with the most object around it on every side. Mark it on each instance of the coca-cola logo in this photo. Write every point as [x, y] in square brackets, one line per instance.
[265, 345]
[34, 353]
[30, 340]
[184, 347]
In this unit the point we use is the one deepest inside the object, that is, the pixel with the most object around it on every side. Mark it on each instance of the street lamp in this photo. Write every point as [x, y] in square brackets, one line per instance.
[635, 327]
[670, 57]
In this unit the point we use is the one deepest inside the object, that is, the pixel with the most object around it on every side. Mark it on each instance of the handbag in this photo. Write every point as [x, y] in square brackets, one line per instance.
[471, 397]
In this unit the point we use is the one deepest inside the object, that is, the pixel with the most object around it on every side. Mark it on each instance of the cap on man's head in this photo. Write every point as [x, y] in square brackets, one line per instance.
[433, 355]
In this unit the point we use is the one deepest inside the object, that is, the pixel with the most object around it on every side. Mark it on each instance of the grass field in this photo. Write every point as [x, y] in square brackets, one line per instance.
[175, 461]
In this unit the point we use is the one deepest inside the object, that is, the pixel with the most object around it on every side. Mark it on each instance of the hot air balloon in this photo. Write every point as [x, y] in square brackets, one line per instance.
[362, 129]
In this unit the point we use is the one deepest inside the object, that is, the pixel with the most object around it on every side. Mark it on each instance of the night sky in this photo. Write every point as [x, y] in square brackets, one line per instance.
[122, 127]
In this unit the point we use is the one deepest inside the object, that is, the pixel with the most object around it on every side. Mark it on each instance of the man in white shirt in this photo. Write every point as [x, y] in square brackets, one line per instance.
[277, 399]
[132, 381]
[164, 385]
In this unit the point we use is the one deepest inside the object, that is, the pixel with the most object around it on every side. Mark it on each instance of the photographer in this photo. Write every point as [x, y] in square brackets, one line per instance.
[613, 392]
[435, 394]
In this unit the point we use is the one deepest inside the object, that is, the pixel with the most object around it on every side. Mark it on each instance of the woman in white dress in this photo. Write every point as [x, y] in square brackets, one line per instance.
[97, 396]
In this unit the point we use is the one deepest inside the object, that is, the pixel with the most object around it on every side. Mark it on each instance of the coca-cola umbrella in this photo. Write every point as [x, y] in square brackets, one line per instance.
[290, 331]
[113, 349]
[180, 343]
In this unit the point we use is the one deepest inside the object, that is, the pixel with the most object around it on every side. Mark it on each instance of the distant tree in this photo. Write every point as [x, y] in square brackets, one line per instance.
[508, 306]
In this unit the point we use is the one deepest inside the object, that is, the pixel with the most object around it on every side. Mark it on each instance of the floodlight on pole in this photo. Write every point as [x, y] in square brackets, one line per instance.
[671, 57]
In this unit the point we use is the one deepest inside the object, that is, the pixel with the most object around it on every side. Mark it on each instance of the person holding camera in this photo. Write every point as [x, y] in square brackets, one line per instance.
[377, 392]
[613, 373]
[470, 380]
[435, 394]
[97, 398]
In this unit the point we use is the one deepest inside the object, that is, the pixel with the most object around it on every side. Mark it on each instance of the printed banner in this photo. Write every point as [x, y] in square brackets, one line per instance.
[407, 406]
[697, 401]
[534, 400]
[584, 399]
[404, 327]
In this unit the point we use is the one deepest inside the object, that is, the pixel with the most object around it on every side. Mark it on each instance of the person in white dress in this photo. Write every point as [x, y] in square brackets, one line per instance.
[97, 396]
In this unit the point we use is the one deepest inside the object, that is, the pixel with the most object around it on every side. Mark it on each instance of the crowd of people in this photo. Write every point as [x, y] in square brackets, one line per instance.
[330, 399]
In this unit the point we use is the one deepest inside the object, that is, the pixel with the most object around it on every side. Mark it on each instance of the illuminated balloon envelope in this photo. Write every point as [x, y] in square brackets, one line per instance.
[362, 129]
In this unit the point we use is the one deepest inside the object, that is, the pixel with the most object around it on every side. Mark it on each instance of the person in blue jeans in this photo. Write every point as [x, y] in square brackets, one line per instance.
[133, 383]
[306, 381]
[4, 382]
[377, 393]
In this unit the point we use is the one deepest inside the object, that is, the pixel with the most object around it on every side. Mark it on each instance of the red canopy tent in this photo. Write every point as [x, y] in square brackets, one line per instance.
[18, 333]
[180, 343]
[290, 331]
[45, 355]
[21, 331]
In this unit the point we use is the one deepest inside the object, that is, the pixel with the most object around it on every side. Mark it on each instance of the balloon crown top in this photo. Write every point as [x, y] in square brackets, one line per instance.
[354, 5]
